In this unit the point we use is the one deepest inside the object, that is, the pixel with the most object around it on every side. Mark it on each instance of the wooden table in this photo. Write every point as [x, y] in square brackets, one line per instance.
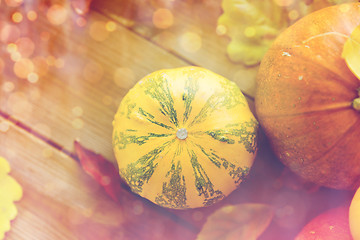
[63, 81]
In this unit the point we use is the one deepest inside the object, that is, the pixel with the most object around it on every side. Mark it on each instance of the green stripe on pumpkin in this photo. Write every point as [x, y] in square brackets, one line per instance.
[246, 134]
[190, 90]
[139, 172]
[149, 117]
[159, 90]
[202, 182]
[130, 136]
[228, 99]
[173, 192]
[238, 174]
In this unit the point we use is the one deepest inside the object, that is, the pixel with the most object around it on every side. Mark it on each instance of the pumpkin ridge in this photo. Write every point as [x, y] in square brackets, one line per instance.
[341, 138]
[190, 90]
[159, 90]
[328, 151]
[149, 117]
[141, 170]
[174, 191]
[203, 184]
[121, 138]
[247, 138]
[215, 102]
[338, 107]
[300, 59]
[238, 174]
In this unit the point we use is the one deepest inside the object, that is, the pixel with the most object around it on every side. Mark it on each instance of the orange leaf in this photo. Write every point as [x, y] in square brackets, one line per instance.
[102, 170]
[142, 219]
[243, 221]
[351, 52]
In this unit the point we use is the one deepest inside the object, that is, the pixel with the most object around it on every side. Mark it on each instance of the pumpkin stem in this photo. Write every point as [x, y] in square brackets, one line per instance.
[356, 104]
[182, 133]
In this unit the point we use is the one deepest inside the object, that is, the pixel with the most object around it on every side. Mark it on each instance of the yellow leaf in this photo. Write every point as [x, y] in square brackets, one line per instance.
[10, 191]
[351, 52]
[243, 221]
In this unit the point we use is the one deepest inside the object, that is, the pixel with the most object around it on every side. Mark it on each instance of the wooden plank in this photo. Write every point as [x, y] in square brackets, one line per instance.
[81, 80]
[192, 35]
[78, 100]
[61, 202]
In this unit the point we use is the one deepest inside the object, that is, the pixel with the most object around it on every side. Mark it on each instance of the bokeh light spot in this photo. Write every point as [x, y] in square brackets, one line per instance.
[47, 152]
[32, 15]
[50, 60]
[190, 42]
[11, 47]
[284, 3]
[13, 3]
[163, 18]
[293, 15]
[81, 21]
[33, 77]
[8, 86]
[344, 8]
[77, 111]
[98, 31]
[78, 123]
[57, 14]
[4, 126]
[9, 33]
[250, 32]
[23, 68]
[110, 26]
[221, 30]
[17, 17]
[19, 104]
[15, 56]
[25, 46]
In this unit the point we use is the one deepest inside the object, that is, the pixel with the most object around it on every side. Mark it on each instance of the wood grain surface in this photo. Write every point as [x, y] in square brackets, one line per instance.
[62, 77]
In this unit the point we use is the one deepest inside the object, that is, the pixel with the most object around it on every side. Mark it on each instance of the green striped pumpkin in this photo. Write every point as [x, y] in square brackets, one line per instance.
[184, 137]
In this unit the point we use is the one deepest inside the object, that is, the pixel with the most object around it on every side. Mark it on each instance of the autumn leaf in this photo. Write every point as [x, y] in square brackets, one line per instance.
[141, 218]
[243, 221]
[103, 171]
[253, 25]
[351, 52]
[10, 191]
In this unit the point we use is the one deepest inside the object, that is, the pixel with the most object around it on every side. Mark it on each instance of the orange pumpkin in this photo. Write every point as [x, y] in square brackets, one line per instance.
[354, 215]
[304, 98]
[332, 224]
